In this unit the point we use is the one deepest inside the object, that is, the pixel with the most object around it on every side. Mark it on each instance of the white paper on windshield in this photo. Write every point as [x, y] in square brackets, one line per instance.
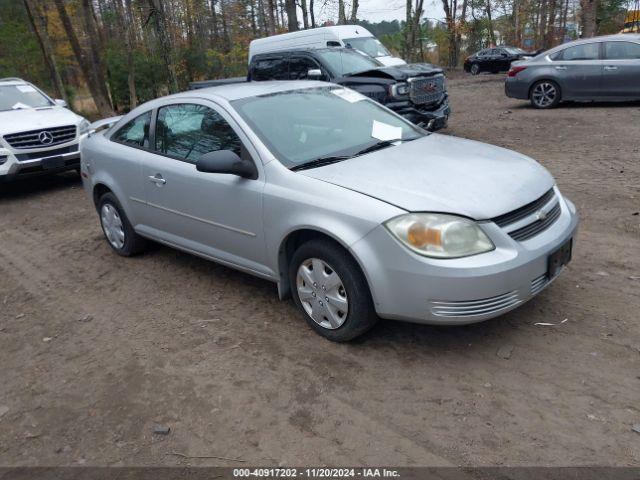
[350, 96]
[19, 105]
[384, 131]
[26, 88]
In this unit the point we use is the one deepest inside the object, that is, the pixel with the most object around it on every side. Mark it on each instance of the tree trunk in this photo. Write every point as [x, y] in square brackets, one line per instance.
[313, 15]
[271, 4]
[305, 14]
[96, 49]
[588, 17]
[102, 103]
[166, 50]
[131, 42]
[342, 16]
[354, 11]
[292, 15]
[492, 35]
[549, 39]
[38, 21]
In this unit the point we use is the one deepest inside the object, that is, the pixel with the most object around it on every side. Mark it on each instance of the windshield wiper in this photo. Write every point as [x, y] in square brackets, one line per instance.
[321, 162]
[382, 144]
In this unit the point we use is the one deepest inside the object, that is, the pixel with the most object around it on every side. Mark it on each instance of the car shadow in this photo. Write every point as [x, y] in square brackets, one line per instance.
[26, 187]
[570, 105]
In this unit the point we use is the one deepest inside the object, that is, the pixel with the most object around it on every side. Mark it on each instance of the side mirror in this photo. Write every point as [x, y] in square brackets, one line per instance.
[314, 74]
[60, 102]
[226, 161]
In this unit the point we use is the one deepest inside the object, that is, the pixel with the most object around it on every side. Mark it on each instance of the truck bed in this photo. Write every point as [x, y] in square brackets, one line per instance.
[216, 83]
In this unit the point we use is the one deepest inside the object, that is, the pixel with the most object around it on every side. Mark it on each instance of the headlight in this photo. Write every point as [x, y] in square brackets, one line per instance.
[439, 235]
[399, 90]
[83, 127]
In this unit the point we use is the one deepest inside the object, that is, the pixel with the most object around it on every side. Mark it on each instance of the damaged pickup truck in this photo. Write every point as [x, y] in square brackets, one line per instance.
[415, 91]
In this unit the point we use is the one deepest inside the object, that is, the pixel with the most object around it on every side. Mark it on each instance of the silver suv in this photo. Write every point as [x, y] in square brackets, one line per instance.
[595, 69]
[37, 134]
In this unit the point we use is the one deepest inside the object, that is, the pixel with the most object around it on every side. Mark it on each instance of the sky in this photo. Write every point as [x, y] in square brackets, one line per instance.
[378, 10]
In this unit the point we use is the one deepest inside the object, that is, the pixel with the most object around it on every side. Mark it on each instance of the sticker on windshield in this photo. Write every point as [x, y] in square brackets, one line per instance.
[384, 131]
[350, 96]
[26, 88]
[19, 106]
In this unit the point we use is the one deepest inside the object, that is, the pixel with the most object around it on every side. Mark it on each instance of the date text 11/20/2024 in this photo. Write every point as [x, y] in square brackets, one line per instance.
[315, 473]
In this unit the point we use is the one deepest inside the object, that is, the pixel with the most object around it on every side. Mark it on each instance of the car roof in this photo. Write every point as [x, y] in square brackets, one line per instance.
[604, 38]
[236, 91]
[304, 50]
[12, 81]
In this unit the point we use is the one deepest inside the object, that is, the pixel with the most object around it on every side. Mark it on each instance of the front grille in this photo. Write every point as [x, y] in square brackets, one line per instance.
[538, 226]
[472, 308]
[44, 137]
[538, 284]
[522, 212]
[426, 89]
[23, 157]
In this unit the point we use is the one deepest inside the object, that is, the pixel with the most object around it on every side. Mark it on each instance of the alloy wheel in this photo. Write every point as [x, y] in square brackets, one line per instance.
[322, 293]
[544, 94]
[475, 69]
[112, 226]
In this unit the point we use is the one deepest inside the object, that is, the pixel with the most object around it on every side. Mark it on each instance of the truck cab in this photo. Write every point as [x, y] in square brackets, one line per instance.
[415, 91]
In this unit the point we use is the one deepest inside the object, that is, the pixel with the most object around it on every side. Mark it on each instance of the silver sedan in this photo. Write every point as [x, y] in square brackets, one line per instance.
[350, 209]
[594, 69]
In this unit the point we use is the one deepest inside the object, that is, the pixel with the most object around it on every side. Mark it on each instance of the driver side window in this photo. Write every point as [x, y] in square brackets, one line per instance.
[187, 131]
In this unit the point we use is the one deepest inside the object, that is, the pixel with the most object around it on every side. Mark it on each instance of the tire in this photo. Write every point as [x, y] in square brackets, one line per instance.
[545, 94]
[117, 229]
[475, 69]
[345, 289]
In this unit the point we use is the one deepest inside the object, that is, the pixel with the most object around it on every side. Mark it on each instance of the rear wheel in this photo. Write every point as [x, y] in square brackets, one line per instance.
[331, 291]
[475, 69]
[119, 233]
[545, 94]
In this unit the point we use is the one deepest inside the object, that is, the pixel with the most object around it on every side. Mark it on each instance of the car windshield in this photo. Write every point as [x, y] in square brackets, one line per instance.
[369, 45]
[15, 97]
[304, 125]
[344, 62]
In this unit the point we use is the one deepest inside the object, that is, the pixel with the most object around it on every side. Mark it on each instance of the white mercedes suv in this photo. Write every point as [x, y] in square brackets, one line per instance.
[37, 134]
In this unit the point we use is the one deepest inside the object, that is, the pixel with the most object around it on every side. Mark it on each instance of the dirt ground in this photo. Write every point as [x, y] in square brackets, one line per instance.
[96, 349]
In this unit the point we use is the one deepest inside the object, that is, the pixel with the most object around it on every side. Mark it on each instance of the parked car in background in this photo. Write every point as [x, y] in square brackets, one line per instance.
[352, 36]
[416, 91]
[347, 206]
[37, 134]
[493, 60]
[631, 22]
[595, 69]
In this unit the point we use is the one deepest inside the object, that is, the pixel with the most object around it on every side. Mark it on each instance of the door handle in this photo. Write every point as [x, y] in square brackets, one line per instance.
[610, 67]
[560, 67]
[157, 179]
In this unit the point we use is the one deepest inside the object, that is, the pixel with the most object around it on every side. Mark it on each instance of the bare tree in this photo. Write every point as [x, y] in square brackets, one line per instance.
[38, 21]
[292, 15]
[588, 17]
[91, 76]
[160, 23]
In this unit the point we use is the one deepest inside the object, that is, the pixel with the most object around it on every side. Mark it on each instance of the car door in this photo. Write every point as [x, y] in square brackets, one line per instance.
[578, 71]
[503, 60]
[216, 215]
[621, 69]
[131, 144]
[299, 66]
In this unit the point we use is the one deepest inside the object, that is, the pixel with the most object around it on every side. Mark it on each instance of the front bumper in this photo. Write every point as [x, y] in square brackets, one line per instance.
[431, 120]
[26, 163]
[407, 286]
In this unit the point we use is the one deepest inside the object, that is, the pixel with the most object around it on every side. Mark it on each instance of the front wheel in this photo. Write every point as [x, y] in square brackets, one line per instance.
[475, 69]
[545, 94]
[331, 291]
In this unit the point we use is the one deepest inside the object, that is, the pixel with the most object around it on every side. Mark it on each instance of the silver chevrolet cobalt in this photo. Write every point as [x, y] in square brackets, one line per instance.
[350, 209]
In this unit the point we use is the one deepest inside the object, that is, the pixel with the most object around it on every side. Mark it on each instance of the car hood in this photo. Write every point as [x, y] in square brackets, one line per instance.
[14, 121]
[440, 173]
[400, 72]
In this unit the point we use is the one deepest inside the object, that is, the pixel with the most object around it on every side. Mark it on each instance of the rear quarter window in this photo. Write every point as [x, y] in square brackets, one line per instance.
[272, 68]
